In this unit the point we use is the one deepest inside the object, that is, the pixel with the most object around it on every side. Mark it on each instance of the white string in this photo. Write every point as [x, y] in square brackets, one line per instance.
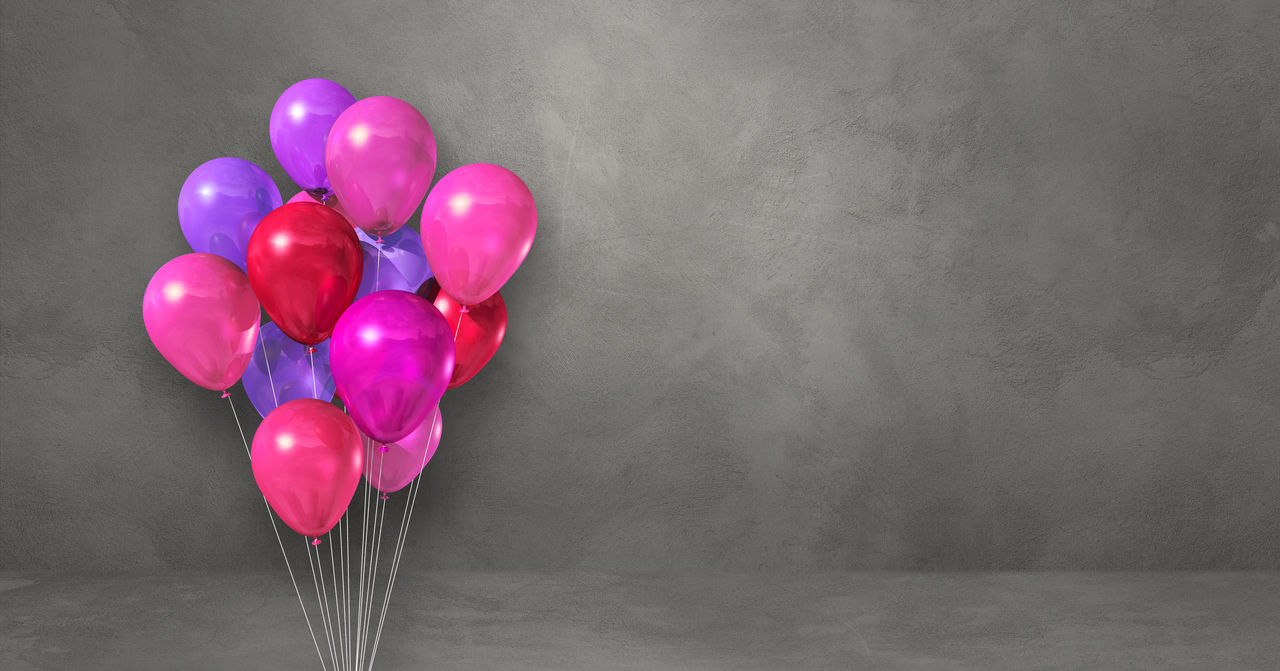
[364, 525]
[381, 516]
[266, 360]
[276, 529]
[324, 613]
[401, 538]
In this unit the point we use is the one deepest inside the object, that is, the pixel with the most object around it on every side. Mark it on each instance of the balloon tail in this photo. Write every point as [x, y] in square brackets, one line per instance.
[384, 497]
[383, 448]
[226, 394]
[315, 541]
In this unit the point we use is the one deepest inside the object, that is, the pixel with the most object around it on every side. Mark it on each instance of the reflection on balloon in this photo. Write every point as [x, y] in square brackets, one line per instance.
[305, 265]
[307, 459]
[477, 227]
[221, 203]
[282, 370]
[300, 123]
[201, 314]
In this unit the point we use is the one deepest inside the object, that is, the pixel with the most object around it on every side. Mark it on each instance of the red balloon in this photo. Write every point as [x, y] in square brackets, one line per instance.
[304, 265]
[480, 334]
[307, 460]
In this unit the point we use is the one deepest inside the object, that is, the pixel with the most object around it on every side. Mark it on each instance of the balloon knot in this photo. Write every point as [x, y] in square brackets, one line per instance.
[383, 448]
[311, 350]
[464, 310]
[384, 497]
[316, 541]
[379, 240]
[226, 394]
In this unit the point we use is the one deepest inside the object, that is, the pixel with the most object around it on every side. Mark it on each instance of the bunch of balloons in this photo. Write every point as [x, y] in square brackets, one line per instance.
[360, 304]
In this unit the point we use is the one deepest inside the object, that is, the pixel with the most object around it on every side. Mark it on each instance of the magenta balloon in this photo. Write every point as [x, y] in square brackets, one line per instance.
[477, 227]
[307, 460]
[381, 156]
[300, 123]
[404, 459]
[201, 314]
[391, 356]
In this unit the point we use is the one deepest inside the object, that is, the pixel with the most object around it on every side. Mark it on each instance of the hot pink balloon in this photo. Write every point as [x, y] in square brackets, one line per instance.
[391, 356]
[307, 458]
[477, 227]
[201, 314]
[404, 459]
[381, 156]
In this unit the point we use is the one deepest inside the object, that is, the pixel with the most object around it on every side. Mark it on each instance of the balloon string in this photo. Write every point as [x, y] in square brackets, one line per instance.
[401, 538]
[346, 579]
[267, 360]
[377, 268]
[311, 354]
[364, 525]
[317, 578]
[381, 509]
[337, 598]
[297, 592]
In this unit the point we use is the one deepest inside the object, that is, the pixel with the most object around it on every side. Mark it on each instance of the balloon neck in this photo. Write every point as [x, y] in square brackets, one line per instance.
[311, 349]
[384, 497]
[323, 195]
[464, 310]
[383, 448]
[226, 394]
[379, 240]
[315, 540]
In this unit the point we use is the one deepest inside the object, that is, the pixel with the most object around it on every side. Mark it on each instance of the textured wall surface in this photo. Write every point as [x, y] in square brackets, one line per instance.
[951, 285]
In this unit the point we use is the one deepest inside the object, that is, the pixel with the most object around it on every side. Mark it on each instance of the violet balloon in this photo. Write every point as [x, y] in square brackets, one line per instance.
[201, 314]
[381, 156]
[221, 203]
[404, 459]
[281, 371]
[477, 227]
[300, 123]
[307, 460]
[398, 263]
[392, 357]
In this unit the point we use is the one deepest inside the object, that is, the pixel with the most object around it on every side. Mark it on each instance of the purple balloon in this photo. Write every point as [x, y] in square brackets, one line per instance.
[392, 356]
[300, 124]
[280, 371]
[403, 265]
[221, 203]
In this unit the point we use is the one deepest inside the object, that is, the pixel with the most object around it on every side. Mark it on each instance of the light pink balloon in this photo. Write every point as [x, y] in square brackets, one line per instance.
[477, 227]
[404, 459]
[201, 314]
[380, 156]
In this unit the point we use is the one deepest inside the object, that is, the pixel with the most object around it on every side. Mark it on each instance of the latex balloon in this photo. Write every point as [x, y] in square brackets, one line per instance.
[202, 316]
[220, 204]
[381, 156]
[477, 332]
[305, 266]
[477, 227]
[397, 263]
[392, 470]
[282, 370]
[391, 356]
[300, 123]
[307, 459]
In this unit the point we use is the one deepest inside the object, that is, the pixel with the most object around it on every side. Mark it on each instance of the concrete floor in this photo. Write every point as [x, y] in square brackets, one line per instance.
[661, 621]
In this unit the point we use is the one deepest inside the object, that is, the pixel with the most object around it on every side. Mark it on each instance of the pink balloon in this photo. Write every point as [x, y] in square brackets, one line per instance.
[203, 317]
[306, 460]
[404, 459]
[477, 227]
[381, 156]
[391, 355]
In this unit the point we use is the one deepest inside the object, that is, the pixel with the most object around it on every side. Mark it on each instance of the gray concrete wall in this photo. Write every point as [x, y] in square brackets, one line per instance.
[953, 285]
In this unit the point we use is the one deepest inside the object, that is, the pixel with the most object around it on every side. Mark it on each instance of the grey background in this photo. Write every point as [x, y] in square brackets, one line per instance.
[866, 285]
